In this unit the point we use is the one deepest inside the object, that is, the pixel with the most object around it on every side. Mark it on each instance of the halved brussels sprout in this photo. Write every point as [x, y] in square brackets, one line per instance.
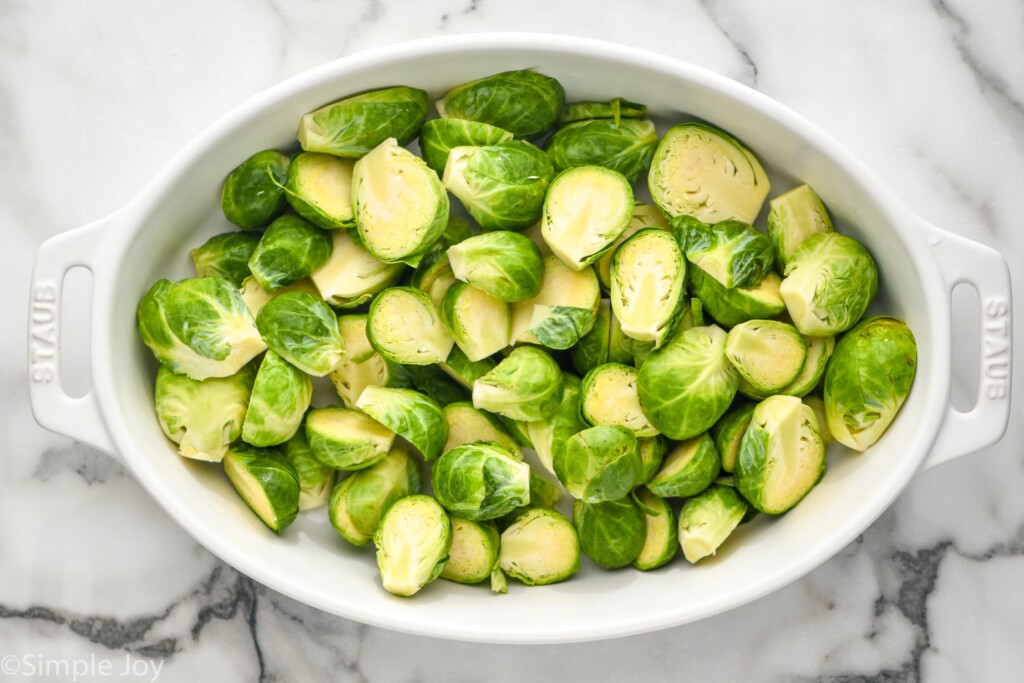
[616, 109]
[817, 404]
[661, 538]
[703, 172]
[434, 276]
[439, 136]
[481, 481]
[819, 351]
[525, 103]
[610, 398]
[781, 456]
[732, 252]
[225, 256]
[347, 439]
[506, 265]
[644, 216]
[731, 307]
[266, 481]
[706, 520]
[255, 297]
[464, 371]
[352, 329]
[412, 541]
[767, 354]
[540, 547]
[202, 417]
[355, 125]
[599, 463]
[414, 417]
[830, 281]
[688, 469]
[502, 186]
[405, 327]
[647, 285]
[479, 324]
[548, 436]
[280, 397]
[303, 330]
[358, 503]
[687, 384]
[795, 216]
[562, 312]
[352, 276]
[474, 552]
[400, 205]
[466, 425]
[253, 193]
[624, 146]
[199, 327]
[586, 210]
[652, 454]
[728, 432]
[867, 380]
[290, 249]
[604, 343]
[319, 188]
[527, 385]
[315, 478]
[612, 533]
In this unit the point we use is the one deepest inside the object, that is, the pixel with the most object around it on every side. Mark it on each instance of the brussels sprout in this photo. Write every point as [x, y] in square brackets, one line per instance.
[610, 398]
[347, 439]
[315, 478]
[225, 256]
[405, 327]
[539, 548]
[781, 455]
[466, 425]
[586, 209]
[319, 188]
[795, 216]
[819, 350]
[352, 329]
[506, 265]
[303, 330]
[549, 436]
[768, 354]
[400, 205]
[481, 481]
[412, 543]
[429, 380]
[358, 503]
[623, 146]
[253, 194]
[612, 533]
[202, 417]
[688, 469]
[474, 552]
[733, 306]
[562, 312]
[705, 521]
[350, 378]
[502, 186]
[352, 276]
[518, 430]
[867, 380]
[434, 276]
[728, 432]
[644, 216]
[527, 385]
[544, 493]
[648, 282]
[199, 327]
[661, 539]
[464, 371]
[439, 136]
[479, 323]
[525, 103]
[818, 406]
[652, 454]
[266, 481]
[534, 234]
[355, 125]
[255, 297]
[414, 417]
[830, 281]
[616, 110]
[732, 252]
[599, 463]
[604, 343]
[290, 249]
[280, 397]
[703, 172]
[686, 385]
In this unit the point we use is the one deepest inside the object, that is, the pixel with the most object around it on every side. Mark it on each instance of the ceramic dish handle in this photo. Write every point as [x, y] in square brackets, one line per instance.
[963, 261]
[52, 407]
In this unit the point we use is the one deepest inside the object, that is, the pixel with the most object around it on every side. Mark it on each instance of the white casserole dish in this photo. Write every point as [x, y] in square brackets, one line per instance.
[148, 239]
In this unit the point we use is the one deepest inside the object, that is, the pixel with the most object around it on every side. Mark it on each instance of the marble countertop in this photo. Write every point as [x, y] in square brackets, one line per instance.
[96, 97]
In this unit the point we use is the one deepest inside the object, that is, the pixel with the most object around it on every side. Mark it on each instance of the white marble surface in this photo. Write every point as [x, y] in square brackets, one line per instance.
[96, 96]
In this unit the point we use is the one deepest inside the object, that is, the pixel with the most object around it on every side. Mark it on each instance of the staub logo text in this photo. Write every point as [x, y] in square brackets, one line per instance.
[43, 343]
[996, 348]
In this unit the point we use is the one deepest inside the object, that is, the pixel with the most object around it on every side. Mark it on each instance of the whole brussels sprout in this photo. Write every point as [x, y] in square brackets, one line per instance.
[253, 193]
[599, 463]
[290, 249]
[280, 397]
[647, 285]
[644, 216]
[347, 439]
[315, 478]
[353, 126]
[414, 417]
[729, 430]
[795, 216]
[474, 552]
[481, 481]
[506, 265]
[438, 137]
[351, 276]
[405, 327]
[225, 256]
[732, 252]
[266, 481]
[624, 146]
[688, 469]
[549, 436]
[587, 208]
[610, 398]
[466, 425]
[303, 330]
[731, 307]
[612, 533]
[767, 354]
[412, 541]
[540, 547]
[525, 103]
[527, 385]
[616, 109]
[319, 188]
[706, 520]
[562, 312]
[661, 541]
[358, 502]
[479, 324]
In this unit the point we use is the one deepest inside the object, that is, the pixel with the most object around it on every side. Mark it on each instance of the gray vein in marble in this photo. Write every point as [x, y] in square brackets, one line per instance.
[91, 465]
[471, 8]
[749, 78]
[984, 210]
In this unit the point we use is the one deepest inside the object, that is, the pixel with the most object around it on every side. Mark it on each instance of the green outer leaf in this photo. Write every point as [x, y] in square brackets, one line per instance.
[506, 265]
[355, 125]
[624, 146]
[617, 109]
[481, 481]
[290, 249]
[252, 194]
[430, 380]
[549, 436]
[303, 330]
[561, 327]
[611, 533]
[428, 547]
[527, 385]
[594, 347]
[735, 253]
[414, 417]
[525, 103]
[440, 136]
[358, 503]
[729, 430]
[280, 397]
[273, 474]
[465, 371]
[600, 463]
[730, 307]
[225, 256]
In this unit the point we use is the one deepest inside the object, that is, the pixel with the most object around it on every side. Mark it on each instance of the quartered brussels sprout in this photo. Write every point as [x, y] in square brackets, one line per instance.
[352, 276]
[604, 343]
[644, 216]
[732, 252]
[830, 281]
[253, 193]
[319, 188]
[549, 436]
[540, 547]
[599, 463]
[466, 425]
[586, 210]
[347, 439]
[767, 354]
[527, 385]
[781, 455]
[728, 432]
[438, 137]
[612, 533]
[434, 276]
[352, 328]
[358, 502]
[610, 398]
[350, 378]
[652, 454]
[867, 380]
[414, 417]
[562, 312]
[661, 539]
[506, 265]
[731, 307]
[199, 327]
[706, 520]
[648, 280]
[225, 256]
[280, 397]
[303, 330]
[795, 216]
[353, 126]
[290, 249]
[703, 172]
[315, 478]
[502, 186]
[687, 469]
[405, 327]
[202, 417]
[412, 541]
[464, 371]
[525, 103]
[687, 384]
[479, 324]
[625, 146]
[255, 297]
[615, 109]
[474, 552]
[481, 481]
[266, 481]
[401, 208]
[819, 351]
